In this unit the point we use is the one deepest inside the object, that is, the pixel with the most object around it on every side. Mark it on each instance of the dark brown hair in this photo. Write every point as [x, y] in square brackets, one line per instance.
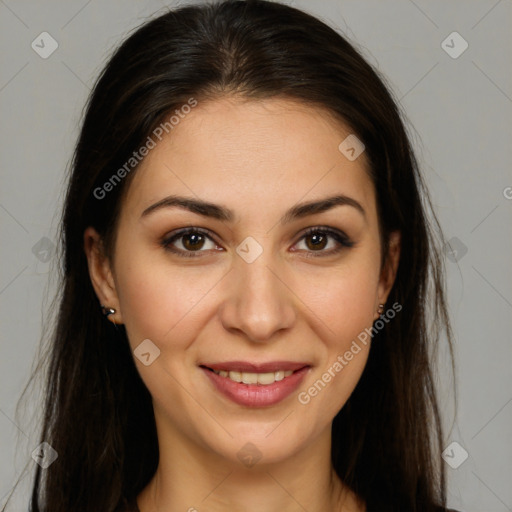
[98, 413]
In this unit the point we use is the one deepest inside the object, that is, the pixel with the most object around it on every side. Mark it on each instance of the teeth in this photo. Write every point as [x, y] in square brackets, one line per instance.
[236, 376]
[249, 378]
[255, 378]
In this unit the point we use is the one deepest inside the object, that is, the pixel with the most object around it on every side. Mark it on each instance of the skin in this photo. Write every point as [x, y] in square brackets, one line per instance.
[258, 158]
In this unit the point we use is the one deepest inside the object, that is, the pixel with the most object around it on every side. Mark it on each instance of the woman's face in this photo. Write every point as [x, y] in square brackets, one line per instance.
[251, 293]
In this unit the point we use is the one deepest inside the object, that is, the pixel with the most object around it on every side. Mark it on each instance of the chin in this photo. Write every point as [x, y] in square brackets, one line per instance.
[263, 446]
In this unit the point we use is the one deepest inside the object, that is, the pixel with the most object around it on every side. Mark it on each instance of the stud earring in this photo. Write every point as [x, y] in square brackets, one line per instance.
[381, 309]
[107, 311]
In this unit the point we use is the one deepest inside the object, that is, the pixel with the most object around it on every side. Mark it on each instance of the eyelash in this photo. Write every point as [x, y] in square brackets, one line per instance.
[340, 237]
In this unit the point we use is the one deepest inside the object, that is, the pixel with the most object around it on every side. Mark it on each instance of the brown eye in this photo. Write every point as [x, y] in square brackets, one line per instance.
[318, 241]
[193, 241]
[189, 242]
[318, 238]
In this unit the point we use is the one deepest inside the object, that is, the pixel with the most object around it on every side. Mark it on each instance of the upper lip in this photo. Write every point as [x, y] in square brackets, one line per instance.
[244, 366]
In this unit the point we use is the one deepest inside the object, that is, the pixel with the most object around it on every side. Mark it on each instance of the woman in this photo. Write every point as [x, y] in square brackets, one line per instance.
[248, 274]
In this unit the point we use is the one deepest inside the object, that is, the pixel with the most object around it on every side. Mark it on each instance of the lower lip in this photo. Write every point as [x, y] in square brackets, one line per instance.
[253, 395]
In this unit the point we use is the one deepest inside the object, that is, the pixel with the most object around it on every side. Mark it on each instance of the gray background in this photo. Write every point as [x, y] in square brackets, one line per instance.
[460, 115]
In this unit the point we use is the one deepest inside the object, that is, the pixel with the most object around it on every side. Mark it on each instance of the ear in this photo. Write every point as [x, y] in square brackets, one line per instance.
[101, 274]
[388, 272]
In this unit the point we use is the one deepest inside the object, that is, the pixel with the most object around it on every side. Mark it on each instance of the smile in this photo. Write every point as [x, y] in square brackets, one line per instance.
[263, 379]
[256, 388]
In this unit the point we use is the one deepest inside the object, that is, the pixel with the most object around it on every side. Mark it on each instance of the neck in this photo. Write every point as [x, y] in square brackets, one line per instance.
[194, 479]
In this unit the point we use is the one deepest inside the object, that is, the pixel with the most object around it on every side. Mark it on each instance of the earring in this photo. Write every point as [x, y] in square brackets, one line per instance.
[381, 309]
[107, 311]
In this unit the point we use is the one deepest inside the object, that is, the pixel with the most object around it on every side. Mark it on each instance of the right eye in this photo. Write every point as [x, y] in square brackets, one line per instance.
[191, 240]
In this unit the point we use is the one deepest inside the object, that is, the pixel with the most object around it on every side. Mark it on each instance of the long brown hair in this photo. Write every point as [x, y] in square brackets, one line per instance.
[98, 413]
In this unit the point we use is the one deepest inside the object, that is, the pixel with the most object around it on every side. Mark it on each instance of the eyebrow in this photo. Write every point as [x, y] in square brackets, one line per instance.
[207, 209]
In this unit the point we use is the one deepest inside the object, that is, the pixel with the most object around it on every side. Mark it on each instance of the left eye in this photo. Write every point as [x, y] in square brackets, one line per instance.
[319, 239]
[193, 240]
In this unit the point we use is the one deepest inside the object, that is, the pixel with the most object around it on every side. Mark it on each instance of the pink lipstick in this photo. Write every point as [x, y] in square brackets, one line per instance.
[256, 384]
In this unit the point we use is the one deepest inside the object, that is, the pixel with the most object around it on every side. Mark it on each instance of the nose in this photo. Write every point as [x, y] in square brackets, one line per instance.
[260, 302]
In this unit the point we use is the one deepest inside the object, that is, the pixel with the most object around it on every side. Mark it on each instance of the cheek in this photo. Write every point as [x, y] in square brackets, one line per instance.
[156, 297]
[343, 299]
[347, 308]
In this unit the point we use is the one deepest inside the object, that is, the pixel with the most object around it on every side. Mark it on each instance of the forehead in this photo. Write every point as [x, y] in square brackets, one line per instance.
[258, 157]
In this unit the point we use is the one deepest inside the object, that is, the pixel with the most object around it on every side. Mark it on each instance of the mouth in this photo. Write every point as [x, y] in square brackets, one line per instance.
[261, 379]
[256, 385]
